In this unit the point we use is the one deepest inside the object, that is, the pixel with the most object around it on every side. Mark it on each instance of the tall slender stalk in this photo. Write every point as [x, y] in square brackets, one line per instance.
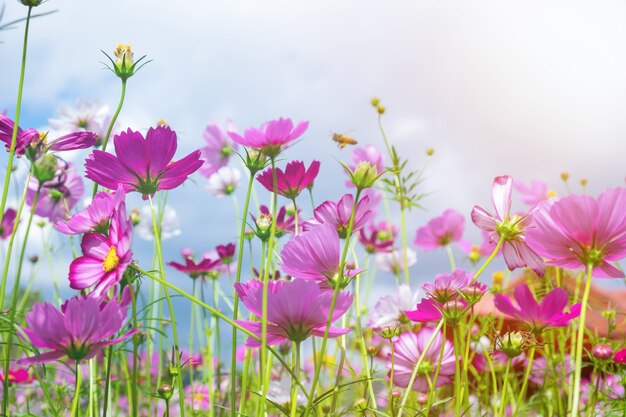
[579, 344]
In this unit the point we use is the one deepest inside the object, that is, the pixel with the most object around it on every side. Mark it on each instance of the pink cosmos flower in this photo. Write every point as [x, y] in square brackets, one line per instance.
[441, 231]
[534, 193]
[620, 357]
[226, 252]
[219, 147]
[223, 182]
[18, 376]
[24, 137]
[579, 231]
[381, 237]
[57, 196]
[447, 287]
[96, 216]
[284, 223]
[368, 153]
[510, 228]
[197, 396]
[72, 141]
[8, 222]
[292, 181]
[427, 311]
[393, 260]
[295, 310]
[314, 255]
[338, 214]
[548, 313]
[201, 268]
[389, 310]
[82, 328]
[105, 258]
[409, 347]
[272, 136]
[142, 165]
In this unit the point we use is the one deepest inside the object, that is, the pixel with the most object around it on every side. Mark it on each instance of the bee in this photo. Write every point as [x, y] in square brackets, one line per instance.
[343, 140]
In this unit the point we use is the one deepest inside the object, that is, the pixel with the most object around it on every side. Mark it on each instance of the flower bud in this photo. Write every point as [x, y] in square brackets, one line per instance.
[430, 151]
[583, 182]
[512, 344]
[365, 175]
[361, 406]
[123, 58]
[453, 310]
[165, 391]
[255, 160]
[45, 168]
[375, 101]
[31, 3]
[162, 122]
[380, 109]
[389, 332]
[565, 176]
[602, 351]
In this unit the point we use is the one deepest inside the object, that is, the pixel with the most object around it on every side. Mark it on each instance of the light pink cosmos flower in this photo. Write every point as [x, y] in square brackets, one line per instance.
[223, 182]
[96, 216]
[296, 310]
[24, 137]
[142, 165]
[548, 313]
[197, 396]
[105, 258]
[448, 286]
[408, 348]
[292, 181]
[314, 255]
[83, 327]
[57, 196]
[8, 222]
[389, 310]
[71, 141]
[368, 153]
[441, 231]
[510, 228]
[393, 260]
[272, 136]
[338, 214]
[579, 231]
[219, 147]
[534, 193]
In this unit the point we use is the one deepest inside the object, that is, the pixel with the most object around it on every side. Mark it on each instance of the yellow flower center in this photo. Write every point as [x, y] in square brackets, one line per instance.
[111, 260]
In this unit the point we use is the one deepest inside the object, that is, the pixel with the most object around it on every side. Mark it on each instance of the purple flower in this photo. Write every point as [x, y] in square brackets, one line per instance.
[82, 328]
[96, 217]
[105, 258]
[8, 222]
[57, 196]
[441, 231]
[219, 147]
[24, 137]
[509, 228]
[295, 310]
[338, 214]
[579, 231]
[548, 313]
[314, 255]
[408, 348]
[292, 181]
[448, 286]
[381, 237]
[142, 165]
[73, 141]
[272, 136]
[202, 268]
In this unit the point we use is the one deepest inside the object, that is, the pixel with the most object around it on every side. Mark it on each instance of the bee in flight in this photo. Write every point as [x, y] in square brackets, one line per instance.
[343, 140]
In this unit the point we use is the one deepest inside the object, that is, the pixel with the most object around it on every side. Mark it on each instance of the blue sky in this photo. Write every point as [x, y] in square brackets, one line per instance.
[529, 89]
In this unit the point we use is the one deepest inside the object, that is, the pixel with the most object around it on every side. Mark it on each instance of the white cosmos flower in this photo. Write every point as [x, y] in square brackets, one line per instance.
[170, 225]
[393, 261]
[389, 310]
[224, 182]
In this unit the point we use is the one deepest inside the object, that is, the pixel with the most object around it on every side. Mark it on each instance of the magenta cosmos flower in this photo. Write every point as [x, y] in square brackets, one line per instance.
[510, 228]
[315, 255]
[408, 348]
[57, 196]
[105, 258]
[295, 310]
[8, 222]
[24, 137]
[441, 231]
[579, 231]
[548, 313]
[218, 149]
[82, 328]
[292, 181]
[96, 216]
[272, 136]
[205, 267]
[338, 214]
[142, 165]
[380, 239]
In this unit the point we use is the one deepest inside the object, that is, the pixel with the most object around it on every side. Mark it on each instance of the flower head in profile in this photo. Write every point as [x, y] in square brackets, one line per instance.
[389, 310]
[79, 331]
[292, 181]
[272, 136]
[441, 231]
[510, 228]
[409, 347]
[579, 231]
[8, 222]
[204, 267]
[58, 195]
[381, 237]
[24, 137]
[538, 316]
[338, 214]
[315, 255]
[223, 182]
[218, 149]
[534, 193]
[142, 164]
[105, 257]
[96, 216]
[296, 310]
[18, 376]
[447, 287]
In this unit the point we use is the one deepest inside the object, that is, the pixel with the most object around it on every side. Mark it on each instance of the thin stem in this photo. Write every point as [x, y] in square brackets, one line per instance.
[451, 257]
[579, 344]
[76, 400]
[294, 379]
[488, 261]
[135, 373]
[505, 382]
[520, 397]
[107, 382]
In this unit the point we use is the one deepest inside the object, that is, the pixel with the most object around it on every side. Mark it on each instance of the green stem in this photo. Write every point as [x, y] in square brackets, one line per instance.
[579, 344]
[294, 379]
[110, 128]
[451, 257]
[233, 356]
[505, 382]
[520, 397]
[368, 373]
[157, 241]
[18, 110]
[107, 382]
[488, 261]
[76, 400]
[135, 374]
